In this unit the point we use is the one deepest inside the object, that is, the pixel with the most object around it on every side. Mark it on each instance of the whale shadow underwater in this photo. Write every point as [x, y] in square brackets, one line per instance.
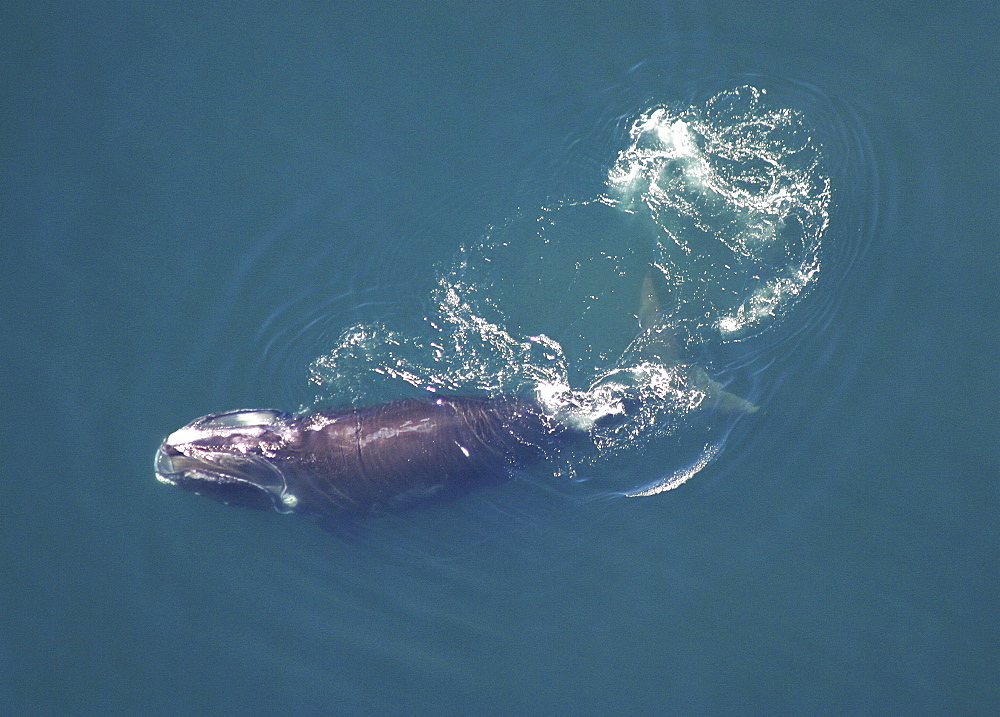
[352, 461]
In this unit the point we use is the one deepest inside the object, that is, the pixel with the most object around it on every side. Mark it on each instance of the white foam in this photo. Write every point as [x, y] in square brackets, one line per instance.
[678, 478]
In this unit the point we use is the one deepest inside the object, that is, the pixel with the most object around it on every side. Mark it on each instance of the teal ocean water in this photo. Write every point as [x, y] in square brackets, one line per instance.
[212, 206]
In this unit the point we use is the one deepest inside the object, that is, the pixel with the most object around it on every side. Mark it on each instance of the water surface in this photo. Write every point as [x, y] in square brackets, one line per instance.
[204, 202]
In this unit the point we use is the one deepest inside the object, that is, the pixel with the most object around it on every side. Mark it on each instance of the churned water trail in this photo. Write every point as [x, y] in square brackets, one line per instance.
[723, 205]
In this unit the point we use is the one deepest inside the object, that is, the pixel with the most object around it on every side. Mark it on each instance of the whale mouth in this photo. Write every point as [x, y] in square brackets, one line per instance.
[249, 481]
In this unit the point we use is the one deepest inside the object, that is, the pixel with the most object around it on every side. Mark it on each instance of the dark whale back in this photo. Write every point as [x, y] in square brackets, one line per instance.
[352, 460]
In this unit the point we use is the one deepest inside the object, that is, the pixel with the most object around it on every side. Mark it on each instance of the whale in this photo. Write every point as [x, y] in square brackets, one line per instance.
[358, 460]
[355, 460]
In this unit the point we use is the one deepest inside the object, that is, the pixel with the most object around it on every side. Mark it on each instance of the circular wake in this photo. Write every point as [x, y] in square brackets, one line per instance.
[637, 314]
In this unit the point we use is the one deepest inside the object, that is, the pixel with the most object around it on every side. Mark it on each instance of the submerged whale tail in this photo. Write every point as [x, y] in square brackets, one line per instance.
[657, 343]
[650, 365]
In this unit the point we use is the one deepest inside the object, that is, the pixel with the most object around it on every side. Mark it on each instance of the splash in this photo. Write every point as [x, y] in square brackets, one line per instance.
[727, 201]
[739, 195]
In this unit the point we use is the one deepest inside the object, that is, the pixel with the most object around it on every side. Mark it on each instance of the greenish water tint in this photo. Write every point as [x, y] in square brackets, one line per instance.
[202, 203]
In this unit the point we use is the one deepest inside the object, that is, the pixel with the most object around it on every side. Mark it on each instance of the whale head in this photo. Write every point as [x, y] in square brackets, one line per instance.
[229, 457]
